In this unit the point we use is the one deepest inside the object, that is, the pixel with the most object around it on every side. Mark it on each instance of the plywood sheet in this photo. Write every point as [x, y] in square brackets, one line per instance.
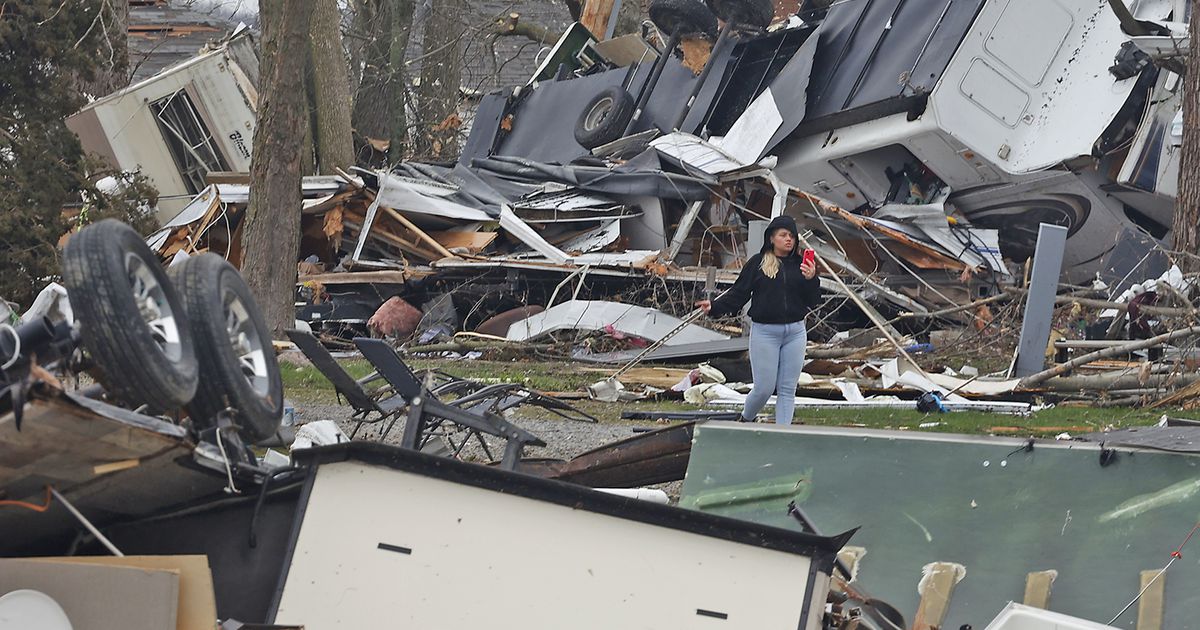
[197, 603]
[100, 597]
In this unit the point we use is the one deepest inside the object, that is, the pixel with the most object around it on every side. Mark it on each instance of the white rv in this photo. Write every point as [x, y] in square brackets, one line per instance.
[181, 124]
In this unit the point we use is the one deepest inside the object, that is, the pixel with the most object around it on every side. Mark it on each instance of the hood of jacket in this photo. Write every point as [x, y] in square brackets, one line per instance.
[781, 221]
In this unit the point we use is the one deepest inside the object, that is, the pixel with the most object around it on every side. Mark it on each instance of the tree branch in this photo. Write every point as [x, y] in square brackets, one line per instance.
[512, 26]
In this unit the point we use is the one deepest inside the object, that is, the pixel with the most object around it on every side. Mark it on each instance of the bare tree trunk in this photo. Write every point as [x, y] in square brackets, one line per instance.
[331, 89]
[441, 75]
[372, 103]
[356, 41]
[272, 234]
[402, 15]
[308, 157]
[1187, 203]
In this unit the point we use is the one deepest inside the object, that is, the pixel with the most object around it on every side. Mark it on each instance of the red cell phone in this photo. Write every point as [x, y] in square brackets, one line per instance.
[810, 257]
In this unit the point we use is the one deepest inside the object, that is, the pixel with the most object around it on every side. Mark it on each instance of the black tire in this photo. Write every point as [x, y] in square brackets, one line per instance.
[604, 118]
[131, 318]
[689, 17]
[753, 13]
[238, 369]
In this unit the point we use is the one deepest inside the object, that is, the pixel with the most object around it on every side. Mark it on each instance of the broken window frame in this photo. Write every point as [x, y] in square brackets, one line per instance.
[188, 139]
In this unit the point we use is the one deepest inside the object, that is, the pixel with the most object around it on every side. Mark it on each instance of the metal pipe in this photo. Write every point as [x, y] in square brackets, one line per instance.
[655, 72]
[86, 523]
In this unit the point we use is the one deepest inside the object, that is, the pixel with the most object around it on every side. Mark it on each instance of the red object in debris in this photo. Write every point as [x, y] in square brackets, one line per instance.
[395, 318]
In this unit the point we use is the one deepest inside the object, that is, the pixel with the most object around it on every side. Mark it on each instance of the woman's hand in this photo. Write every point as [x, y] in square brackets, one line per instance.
[704, 305]
[809, 269]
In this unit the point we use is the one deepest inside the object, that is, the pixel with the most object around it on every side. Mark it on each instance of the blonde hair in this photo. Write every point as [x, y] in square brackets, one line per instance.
[769, 265]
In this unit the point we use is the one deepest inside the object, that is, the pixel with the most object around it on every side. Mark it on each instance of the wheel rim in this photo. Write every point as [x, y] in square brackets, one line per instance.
[598, 113]
[248, 346]
[151, 299]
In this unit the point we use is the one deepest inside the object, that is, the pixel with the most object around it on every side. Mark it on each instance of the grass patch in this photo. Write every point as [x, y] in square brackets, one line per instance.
[304, 384]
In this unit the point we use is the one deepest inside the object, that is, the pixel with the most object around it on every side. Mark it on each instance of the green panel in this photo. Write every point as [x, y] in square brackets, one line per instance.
[983, 502]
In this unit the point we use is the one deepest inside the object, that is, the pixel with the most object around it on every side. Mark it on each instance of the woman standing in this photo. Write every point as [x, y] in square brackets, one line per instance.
[781, 288]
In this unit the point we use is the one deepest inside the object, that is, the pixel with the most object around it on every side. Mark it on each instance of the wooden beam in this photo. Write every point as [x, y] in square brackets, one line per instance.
[1037, 588]
[595, 17]
[1150, 606]
[936, 588]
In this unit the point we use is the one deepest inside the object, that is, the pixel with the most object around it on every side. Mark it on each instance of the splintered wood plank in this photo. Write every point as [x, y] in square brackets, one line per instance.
[1150, 606]
[595, 16]
[474, 242]
[936, 588]
[1037, 588]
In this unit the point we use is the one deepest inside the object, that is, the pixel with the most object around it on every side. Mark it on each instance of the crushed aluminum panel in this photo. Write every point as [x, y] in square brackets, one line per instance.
[696, 153]
[1020, 617]
[1029, 87]
[546, 553]
[978, 387]
[195, 210]
[522, 232]
[627, 258]
[638, 321]
[566, 201]
[975, 246]
[406, 194]
[602, 236]
[988, 503]
[581, 215]
[666, 352]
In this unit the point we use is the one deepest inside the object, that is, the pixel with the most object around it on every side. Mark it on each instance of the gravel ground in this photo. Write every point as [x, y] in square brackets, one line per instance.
[564, 438]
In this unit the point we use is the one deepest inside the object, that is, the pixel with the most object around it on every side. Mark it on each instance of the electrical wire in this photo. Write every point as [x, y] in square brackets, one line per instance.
[31, 506]
[1175, 555]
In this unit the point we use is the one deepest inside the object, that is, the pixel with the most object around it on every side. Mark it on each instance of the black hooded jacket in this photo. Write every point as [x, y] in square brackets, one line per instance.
[784, 299]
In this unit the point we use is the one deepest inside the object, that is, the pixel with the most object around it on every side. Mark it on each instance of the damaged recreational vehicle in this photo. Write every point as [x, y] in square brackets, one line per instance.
[1001, 114]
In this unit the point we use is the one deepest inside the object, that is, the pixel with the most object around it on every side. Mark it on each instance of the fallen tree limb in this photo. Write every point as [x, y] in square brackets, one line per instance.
[1191, 391]
[1034, 379]
[956, 309]
[513, 26]
[1120, 306]
[1108, 382]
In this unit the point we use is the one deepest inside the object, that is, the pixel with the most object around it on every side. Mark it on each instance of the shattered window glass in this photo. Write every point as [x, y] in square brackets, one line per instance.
[189, 139]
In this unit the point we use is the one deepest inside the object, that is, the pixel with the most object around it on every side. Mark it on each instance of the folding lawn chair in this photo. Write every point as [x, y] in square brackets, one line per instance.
[427, 413]
[368, 409]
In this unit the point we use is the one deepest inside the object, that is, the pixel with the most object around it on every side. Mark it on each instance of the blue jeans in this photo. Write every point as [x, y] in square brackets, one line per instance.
[776, 360]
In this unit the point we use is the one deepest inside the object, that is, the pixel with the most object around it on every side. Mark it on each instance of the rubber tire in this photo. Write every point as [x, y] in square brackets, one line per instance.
[612, 127]
[200, 280]
[133, 369]
[689, 16]
[753, 13]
